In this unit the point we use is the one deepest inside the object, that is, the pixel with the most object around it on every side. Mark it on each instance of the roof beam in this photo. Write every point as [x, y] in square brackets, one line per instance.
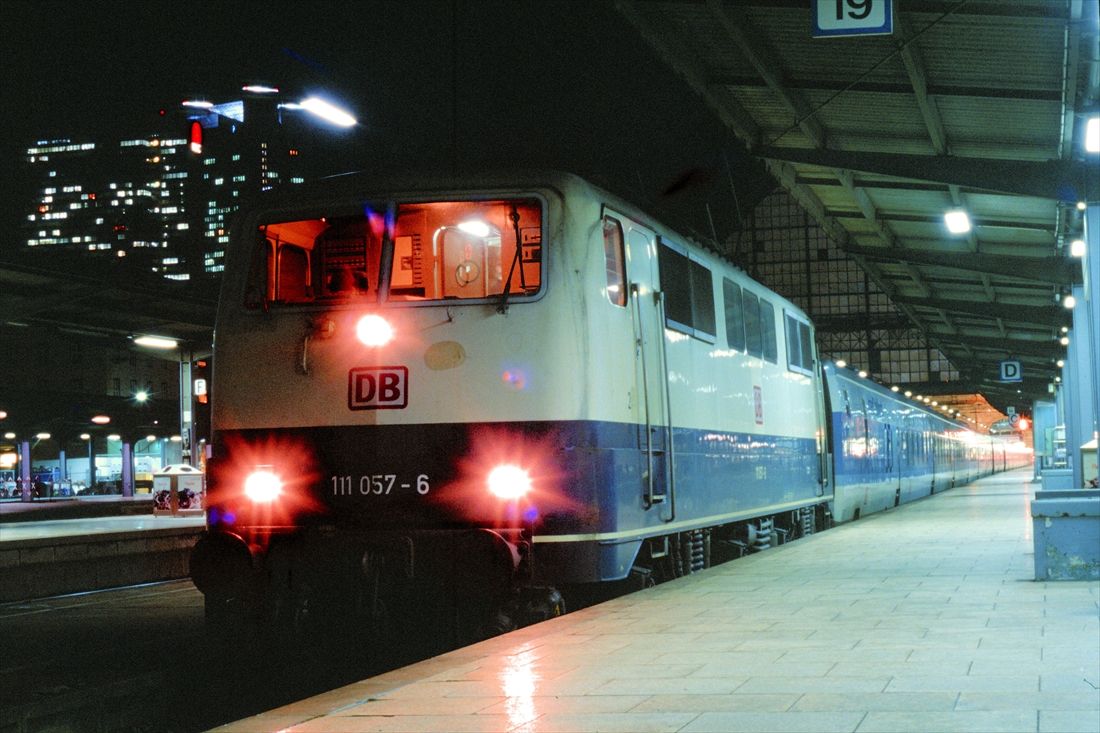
[1053, 316]
[1053, 270]
[1060, 180]
[1010, 346]
[730, 79]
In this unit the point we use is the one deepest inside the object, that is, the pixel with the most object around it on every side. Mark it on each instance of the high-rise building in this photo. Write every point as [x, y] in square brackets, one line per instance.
[162, 200]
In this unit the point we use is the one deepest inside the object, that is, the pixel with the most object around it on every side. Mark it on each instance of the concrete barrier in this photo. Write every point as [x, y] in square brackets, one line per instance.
[1066, 526]
[36, 568]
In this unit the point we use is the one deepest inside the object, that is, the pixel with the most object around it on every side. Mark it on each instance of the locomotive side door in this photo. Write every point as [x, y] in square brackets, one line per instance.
[650, 368]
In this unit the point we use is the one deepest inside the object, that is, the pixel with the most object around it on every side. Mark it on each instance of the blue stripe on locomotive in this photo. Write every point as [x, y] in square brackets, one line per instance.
[600, 468]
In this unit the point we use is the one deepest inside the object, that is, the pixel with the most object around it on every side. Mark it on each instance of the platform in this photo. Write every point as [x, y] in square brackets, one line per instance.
[925, 618]
[54, 556]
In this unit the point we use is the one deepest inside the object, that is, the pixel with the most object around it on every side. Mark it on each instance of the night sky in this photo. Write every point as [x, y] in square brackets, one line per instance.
[449, 84]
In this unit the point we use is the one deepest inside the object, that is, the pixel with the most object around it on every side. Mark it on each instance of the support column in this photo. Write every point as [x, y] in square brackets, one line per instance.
[91, 463]
[26, 488]
[127, 468]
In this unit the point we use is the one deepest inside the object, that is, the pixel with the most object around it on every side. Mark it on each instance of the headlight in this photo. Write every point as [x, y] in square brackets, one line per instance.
[374, 330]
[509, 482]
[262, 486]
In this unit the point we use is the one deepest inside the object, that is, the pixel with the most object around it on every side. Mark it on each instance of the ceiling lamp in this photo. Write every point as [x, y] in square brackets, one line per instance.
[957, 220]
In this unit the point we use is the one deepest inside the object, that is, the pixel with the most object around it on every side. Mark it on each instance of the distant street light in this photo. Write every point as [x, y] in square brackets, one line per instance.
[156, 342]
[141, 396]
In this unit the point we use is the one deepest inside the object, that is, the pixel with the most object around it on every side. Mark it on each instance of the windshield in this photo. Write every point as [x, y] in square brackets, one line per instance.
[437, 250]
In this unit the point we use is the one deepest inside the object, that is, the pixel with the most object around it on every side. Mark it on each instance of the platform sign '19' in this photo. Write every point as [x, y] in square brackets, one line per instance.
[852, 18]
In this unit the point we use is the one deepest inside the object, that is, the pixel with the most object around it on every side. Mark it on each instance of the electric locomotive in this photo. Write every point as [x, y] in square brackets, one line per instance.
[500, 385]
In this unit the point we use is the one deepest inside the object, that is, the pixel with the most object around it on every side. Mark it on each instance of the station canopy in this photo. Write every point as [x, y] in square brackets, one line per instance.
[976, 106]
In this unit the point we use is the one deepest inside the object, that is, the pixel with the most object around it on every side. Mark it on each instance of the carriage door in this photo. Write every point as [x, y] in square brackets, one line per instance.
[650, 368]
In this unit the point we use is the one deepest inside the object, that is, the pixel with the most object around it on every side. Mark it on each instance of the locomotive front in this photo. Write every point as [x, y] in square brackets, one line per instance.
[385, 418]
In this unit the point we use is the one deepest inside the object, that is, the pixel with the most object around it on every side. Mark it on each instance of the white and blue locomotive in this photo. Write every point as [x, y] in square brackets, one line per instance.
[518, 382]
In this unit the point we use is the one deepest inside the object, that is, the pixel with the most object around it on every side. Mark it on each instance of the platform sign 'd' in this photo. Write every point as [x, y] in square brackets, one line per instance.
[852, 18]
[1011, 371]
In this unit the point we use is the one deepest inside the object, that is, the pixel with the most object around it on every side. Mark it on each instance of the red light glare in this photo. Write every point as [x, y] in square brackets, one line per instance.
[263, 486]
[1023, 424]
[374, 330]
[245, 478]
[509, 482]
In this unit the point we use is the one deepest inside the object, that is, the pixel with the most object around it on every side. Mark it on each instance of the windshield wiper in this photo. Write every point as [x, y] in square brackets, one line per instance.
[513, 215]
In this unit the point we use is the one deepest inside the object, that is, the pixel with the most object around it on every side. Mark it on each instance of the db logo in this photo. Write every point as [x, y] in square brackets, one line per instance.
[378, 388]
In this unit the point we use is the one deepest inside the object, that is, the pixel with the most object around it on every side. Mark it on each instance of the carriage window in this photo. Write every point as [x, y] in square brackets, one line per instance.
[614, 261]
[438, 250]
[767, 331]
[735, 321]
[689, 294]
[800, 355]
[753, 343]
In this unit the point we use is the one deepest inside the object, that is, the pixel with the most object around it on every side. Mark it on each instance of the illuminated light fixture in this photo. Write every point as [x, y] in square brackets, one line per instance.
[1065, 329]
[475, 227]
[1023, 424]
[3, 414]
[895, 388]
[156, 342]
[374, 330]
[908, 393]
[1064, 341]
[327, 112]
[150, 438]
[934, 403]
[1092, 135]
[957, 220]
[101, 419]
[8, 460]
[1081, 206]
[259, 89]
[114, 436]
[9, 436]
[85, 436]
[200, 103]
[1077, 248]
[1057, 379]
[1069, 302]
[926, 400]
[841, 363]
[262, 486]
[862, 374]
[141, 395]
[176, 439]
[42, 436]
[509, 482]
[1060, 363]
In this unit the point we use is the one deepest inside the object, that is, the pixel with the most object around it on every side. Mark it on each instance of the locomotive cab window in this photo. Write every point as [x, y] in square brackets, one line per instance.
[735, 319]
[614, 261]
[431, 251]
[689, 294]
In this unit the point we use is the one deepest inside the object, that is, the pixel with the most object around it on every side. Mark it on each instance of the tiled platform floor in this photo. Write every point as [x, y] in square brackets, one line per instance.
[925, 618]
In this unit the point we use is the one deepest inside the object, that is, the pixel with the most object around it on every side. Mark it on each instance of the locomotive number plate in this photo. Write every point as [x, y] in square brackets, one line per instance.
[378, 388]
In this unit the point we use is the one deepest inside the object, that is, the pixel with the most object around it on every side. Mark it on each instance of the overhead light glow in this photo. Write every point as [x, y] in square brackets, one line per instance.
[1069, 302]
[114, 436]
[3, 414]
[9, 436]
[150, 438]
[176, 439]
[1060, 363]
[895, 388]
[328, 112]
[1077, 248]
[201, 104]
[1064, 341]
[862, 374]
[85, 436]
[259, 89]
[957, 220]
[1092, 135]
[101, 419]
[156, 342]
[841, 363]
[42, 436]
[141, 395]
